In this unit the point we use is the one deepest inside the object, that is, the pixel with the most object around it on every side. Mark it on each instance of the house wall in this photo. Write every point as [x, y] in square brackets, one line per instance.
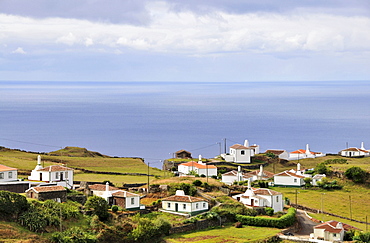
[11, 175]
[189, 208]
[353, 153]
[60, 196]
[284, 155]
[119, 201]
[132, 202]
[238, 157]
[51, 176]
[211, 172]
[288, 181]
[18, 187]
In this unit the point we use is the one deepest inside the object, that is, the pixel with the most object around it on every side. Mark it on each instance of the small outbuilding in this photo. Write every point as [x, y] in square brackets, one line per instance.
[182, 154]
[42, 193]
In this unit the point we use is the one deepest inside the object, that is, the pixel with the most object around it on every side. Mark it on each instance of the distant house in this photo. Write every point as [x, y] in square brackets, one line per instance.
[290, 178]
[331, 231]
[355, 152]
[261, 197]
[8, 174]
[281, 154]
[304, 154]
[42, 193]
[52, 174]
[241, 153]
[183, 204]
[182, 154]
[199, 168]
[239, 176]
[317, 178]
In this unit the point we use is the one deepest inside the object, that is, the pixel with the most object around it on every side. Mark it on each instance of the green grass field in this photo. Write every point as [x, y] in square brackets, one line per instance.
[224, 234]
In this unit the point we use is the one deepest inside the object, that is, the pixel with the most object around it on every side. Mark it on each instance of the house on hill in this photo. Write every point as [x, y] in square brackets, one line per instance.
[58, 174]
[332, 231]
[184, 205]
[261, 197]
[355, 152]
[281, 154]
[241, 153]
[9, 180]
[8, 174]
[239, 176]
[291, 178]
[304, 154]
[183, 154]
[42, 193]
[199, 168]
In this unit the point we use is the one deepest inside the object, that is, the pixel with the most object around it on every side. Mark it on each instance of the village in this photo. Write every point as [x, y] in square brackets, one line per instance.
[256, 189]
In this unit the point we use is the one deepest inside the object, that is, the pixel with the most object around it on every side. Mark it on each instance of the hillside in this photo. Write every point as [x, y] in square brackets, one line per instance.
[77, 152]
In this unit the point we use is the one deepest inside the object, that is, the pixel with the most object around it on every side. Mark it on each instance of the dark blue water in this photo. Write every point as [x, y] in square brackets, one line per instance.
[153, 120]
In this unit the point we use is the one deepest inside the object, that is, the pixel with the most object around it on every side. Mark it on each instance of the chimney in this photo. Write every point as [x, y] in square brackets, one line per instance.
[246, 143]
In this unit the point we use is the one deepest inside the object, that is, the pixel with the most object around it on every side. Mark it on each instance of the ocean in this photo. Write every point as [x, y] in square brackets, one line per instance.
[152, 120]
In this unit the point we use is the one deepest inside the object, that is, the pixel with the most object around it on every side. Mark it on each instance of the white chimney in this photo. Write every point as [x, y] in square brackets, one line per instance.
[308, 149]
[38, 166]
[200, 159]
[180, 193]
[298, 169]
[246, 143]
[362, 146]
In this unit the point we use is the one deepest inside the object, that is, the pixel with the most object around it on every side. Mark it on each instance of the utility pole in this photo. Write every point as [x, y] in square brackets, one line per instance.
[296, 197]
[148, 178]
[350, 207]
[225, 145]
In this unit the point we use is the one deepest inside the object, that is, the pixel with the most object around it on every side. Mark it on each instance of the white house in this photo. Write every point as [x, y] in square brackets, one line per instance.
[199, 168]
[290, 178]
[8, 174]
[355, 152]
[239, 176]
[304, 154]
[331, 231]
[261, 197]
[61, 175]
[281, 154]
[241, 153]
[116, 196]
[317, 178]
[184, 205]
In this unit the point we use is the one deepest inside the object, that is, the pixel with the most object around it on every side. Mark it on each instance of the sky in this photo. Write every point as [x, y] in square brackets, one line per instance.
[193, 40]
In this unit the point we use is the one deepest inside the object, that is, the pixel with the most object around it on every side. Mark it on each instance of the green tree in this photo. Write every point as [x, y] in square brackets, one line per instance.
[356, 174]
[197, 183]
[307, 181]
[99, 205]
[321, 168]
[12, 205]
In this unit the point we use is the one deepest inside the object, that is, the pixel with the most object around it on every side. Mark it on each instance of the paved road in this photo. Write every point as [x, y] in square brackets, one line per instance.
[306, 225]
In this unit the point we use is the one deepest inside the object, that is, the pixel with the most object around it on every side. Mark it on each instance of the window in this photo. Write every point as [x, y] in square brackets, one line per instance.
[57, 175]
[66, 174]
[184, 206]
[204, 205]
[335, 235]
[1, 175]
[295, 180]
[168, 205]
[10, 175]
[242, 152]
[277, 199]
[132, 201]
[196, 205]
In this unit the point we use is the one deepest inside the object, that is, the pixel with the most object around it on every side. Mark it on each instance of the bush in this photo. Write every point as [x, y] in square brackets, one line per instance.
[99, 205]
[12, 205]
[147, 230]
[356, 174]
[269, 211]
[189, 189]
[321, 168]
[335, 161]
[282, 222]
[72, 235]
[197, 183]
[114, 208]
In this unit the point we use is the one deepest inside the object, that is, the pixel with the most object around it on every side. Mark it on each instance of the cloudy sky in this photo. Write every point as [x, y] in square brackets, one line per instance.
[193, 40]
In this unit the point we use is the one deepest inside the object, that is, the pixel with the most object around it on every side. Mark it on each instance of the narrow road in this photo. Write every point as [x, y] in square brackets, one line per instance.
[306, 225]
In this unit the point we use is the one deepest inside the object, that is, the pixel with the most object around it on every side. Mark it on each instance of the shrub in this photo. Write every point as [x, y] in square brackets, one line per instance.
[321, 168]
[114, 208]
[148, 230]
[99, 205]
[269, 211]
[197, 183]
[356, 174]
[189, 189]
[12, 205]
[74, 234]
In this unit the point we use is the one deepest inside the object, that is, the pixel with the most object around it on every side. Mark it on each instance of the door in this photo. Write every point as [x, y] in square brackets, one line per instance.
[61, 176]
[252, 202]
[176, 207]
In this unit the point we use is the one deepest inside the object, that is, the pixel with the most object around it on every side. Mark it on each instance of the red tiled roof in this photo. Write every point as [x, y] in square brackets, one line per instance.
[266, 174]
[6, 168]
[54, 168]
[177, 198]
[356, 150]
[301, 151]
[101, 187]
[331, 225]
[287, 173]
[264, 191]
[238, 146]
[48, 188]
[197, 165]
[124, 194]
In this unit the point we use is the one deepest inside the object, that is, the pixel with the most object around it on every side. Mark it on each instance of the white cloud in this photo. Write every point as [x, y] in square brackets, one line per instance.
[19, 50]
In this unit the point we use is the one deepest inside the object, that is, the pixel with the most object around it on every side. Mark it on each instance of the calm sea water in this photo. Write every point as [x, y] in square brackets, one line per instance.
[154, 120]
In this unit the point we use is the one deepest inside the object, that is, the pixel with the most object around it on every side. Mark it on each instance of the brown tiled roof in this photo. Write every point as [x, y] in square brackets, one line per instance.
[48, 188]
[6, 168]
[238, 146]
[234, 173]
[356, 150]
[124, 194]
[276, 152]
[101, 187]
[332, 224]
[266, 174]
[177, 198]
[264, 191]
[54, 168]
[197, 165]
[287, 173]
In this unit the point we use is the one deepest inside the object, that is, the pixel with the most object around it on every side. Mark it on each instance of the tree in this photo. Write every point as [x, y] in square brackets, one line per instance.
[321, 168]
[307, 181]
[356, 174]
[99, 205]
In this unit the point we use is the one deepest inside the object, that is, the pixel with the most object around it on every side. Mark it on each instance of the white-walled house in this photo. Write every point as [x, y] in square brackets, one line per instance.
[331, 231]
[281, 154]
[8, 174]
[317, 178]
[59, 174]
[261, 197]
[241, 153]
[292, 178]
[238, 176]
[199, 168]
[304, 154]
[355, 152]
[184, 204]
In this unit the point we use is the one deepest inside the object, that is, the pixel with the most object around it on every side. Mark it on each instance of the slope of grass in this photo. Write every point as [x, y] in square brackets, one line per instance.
[11, 232]
[224, 234]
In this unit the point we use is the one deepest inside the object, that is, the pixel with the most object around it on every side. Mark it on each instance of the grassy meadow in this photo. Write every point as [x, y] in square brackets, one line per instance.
[224, 234]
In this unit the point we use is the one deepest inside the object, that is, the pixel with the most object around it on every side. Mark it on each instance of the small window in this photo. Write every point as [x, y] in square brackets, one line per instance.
[277, 199]
[242, 152]
[1, 175]
[132, 201]
[10, 174]
[57, 175]
[295, 180]
[168, 205]
[204, 205]
[196, 205]
[184, 206]
[66, 174]
[334, 234]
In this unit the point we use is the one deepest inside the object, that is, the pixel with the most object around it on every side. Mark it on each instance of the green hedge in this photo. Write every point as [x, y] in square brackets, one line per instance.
[282, 222]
